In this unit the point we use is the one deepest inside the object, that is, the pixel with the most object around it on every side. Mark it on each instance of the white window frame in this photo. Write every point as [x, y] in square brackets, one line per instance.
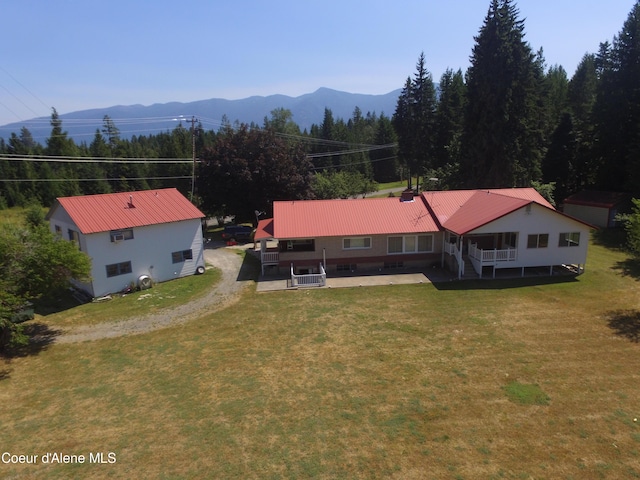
[120, 235]
[121, 268]
[537, 238]
[182, 256]
[416, 242]
[567, 239]
[349, 240]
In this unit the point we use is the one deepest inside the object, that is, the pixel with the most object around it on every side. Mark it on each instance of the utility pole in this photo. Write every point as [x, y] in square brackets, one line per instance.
[193, 155]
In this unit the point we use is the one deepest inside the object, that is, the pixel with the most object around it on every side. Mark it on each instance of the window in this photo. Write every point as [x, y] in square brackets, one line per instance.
[425, 243]
[355, 243]
[346, 267]
[392, 265]
[181, 256]
[510, 239]
[75, 238]
[569, 239]
[395, 244]
[59, 230]
[119, 235]
[307, 245]
[540, 240]
[410, 244]
[116, 269]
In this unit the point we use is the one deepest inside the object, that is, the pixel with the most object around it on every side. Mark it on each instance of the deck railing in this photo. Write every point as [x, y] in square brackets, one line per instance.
[270, 258]
[309, 279]
[492, 256]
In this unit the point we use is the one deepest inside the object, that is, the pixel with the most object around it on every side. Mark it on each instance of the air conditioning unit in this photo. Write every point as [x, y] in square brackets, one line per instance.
[144, 282]
[117, 237]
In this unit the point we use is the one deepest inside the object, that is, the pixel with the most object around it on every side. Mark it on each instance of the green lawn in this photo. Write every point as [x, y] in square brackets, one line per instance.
[162, 295]
[472, 380]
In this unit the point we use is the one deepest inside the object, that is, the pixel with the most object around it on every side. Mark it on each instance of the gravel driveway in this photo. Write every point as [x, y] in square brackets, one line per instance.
[225, 293]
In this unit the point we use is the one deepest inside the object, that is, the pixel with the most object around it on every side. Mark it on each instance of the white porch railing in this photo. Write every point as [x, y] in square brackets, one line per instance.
[309, 279]
[490, 257]
[452, 249]
[270, 258]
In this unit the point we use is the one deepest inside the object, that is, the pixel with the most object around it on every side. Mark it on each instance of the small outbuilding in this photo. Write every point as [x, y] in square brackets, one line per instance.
[597, 208]
[134, 238]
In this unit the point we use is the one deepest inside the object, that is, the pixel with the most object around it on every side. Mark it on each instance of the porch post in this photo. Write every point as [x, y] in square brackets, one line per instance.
[461, 259]
[263, 248]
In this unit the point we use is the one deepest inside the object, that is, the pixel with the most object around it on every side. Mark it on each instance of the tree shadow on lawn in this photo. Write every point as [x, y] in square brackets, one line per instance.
[611, 238]
[629, 268]
[625, 323]
[40, 337]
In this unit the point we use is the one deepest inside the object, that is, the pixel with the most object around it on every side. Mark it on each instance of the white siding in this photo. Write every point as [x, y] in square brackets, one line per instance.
[149, 252]
[540, 220]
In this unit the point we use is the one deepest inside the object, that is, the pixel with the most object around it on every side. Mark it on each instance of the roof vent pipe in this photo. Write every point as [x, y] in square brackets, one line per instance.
[131, 201]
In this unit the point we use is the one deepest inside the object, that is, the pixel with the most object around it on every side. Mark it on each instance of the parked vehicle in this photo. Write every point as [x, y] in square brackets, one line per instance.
[239, 233]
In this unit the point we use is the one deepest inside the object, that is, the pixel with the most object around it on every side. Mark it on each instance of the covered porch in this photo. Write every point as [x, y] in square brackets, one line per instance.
[488, 254]
[479, 251]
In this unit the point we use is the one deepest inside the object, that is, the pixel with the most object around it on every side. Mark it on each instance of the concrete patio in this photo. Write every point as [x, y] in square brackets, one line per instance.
[274, 282]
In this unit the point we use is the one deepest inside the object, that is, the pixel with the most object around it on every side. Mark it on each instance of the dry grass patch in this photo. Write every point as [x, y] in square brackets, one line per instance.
[380, 382]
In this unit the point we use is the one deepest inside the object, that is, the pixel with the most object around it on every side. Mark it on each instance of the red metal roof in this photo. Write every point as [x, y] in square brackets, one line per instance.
[461, 211]
[598, 199]
[264, 230]
[116, 211]
[332, 218]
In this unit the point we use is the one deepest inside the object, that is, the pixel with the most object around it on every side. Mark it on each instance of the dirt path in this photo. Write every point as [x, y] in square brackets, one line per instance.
[224, 294]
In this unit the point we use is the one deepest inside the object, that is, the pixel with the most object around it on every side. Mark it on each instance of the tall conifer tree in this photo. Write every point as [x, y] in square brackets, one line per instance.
[617, 108]
[502, 136]
[414, 121]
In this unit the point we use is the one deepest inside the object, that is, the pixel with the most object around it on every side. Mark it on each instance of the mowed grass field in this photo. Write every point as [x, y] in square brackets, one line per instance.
[468, 380]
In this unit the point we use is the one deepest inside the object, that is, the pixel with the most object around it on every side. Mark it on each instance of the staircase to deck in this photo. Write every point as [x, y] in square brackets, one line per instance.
[469, 271]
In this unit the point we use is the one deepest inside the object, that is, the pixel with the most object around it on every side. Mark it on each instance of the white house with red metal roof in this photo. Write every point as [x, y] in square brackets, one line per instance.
[138, 237]
[479, 231]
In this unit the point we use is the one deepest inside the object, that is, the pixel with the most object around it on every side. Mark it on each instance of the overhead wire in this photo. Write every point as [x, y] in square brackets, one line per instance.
[22, 180]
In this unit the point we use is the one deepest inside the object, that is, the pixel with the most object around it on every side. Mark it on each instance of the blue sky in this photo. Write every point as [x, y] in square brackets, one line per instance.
[80, 54]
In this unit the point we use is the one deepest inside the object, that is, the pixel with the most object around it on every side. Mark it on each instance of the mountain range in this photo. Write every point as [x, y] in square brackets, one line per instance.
[132, 120]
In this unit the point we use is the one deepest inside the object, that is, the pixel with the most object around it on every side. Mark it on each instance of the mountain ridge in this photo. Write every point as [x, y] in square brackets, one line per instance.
[137, 119]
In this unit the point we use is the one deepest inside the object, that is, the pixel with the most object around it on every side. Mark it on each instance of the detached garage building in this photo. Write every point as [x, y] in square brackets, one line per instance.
[597, 208]
[138, 237]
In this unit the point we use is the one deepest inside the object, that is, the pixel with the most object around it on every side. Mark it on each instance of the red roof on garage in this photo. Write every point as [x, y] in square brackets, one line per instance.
[116, 211]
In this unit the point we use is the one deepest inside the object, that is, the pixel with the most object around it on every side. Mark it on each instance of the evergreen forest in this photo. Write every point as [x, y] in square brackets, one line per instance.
[510, 120]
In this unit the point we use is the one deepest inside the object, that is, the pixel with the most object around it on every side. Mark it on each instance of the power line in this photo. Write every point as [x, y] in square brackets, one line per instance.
[28, 91]
[342, 165]
[70, 159]
[368, 148]
[23, 180]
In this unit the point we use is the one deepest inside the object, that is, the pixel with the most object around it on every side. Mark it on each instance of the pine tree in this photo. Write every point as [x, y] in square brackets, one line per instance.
[449, 123]
[384, 162]
[414, 121]
[503, 123]
[617, 108]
